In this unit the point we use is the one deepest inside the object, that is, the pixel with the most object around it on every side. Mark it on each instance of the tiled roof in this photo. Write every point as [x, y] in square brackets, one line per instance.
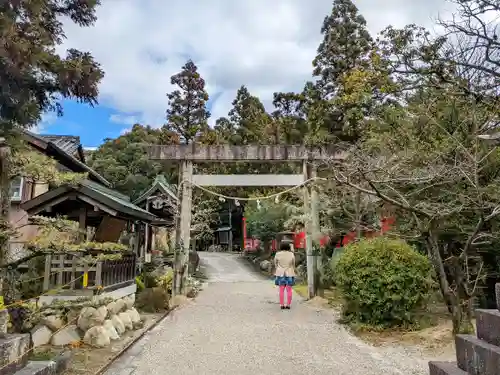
[99, 193]
[160, 183]
[67, 143]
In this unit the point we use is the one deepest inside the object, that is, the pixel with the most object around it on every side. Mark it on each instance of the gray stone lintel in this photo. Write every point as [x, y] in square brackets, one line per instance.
[252, 153]
[248, 179]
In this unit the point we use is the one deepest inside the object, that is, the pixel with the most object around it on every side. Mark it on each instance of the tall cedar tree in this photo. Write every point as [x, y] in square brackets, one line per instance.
[346, 45]
[33, 77]
[187, 114]
[249, 117]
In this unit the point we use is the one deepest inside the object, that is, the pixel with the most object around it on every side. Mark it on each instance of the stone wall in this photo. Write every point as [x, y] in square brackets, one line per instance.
[476, 354]
[96, 321]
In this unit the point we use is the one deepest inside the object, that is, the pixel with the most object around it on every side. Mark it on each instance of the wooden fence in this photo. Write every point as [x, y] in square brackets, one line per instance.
[67, 271]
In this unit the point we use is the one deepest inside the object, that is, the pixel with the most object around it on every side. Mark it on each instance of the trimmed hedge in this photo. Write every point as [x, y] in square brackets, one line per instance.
[384, 282]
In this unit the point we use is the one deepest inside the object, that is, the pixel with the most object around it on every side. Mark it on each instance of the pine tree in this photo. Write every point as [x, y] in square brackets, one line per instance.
[187, 114]
[346, 45]
[289, 117]
[249, 117]
[33, 76]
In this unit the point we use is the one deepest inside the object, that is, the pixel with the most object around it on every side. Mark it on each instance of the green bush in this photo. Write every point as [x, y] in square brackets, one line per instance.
[384, 282]
[153, 300]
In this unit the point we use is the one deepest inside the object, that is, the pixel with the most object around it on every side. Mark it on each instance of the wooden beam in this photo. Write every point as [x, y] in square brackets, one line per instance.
[94, 203]
[248, 179]
[251, 153]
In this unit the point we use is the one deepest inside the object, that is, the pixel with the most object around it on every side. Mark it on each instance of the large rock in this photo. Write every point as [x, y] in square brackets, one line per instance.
[54, 322]
[103, 312]
[111, 308]
[119, 306]
[110, 328]
[66, 336]
[129, 302]
[125, 318]
[134, 315]
[97, 337]
[118, 324]
[265, 265]
[40, 335]
[90, 317]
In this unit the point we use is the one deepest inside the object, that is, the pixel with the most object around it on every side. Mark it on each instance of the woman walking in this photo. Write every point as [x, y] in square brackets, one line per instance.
[284, 261]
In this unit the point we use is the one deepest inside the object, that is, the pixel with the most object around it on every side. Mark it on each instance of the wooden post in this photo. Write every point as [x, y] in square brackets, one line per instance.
[82, 225]
[147, 235]
[98, 274]
[307, 229]
[60, 274]
[184, 234]
[74, 261]
[46, 276]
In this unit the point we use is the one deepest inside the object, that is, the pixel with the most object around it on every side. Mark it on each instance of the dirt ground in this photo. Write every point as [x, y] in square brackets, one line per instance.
[434, 342]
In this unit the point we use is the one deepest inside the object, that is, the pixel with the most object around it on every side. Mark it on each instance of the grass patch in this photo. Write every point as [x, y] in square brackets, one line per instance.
[301, 290]
[43, 354]
[332, 295]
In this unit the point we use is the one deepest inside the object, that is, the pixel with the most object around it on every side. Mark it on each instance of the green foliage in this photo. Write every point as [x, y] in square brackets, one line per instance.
[165, 281]
[346, 45]
[125, 163]
[140, 284]
[265, 222]
[34, 166]
[35, 77]
[187, 115]
[384, 282]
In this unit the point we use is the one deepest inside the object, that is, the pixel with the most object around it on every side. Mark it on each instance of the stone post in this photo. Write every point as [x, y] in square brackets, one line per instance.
[184, 233]
[308, 232]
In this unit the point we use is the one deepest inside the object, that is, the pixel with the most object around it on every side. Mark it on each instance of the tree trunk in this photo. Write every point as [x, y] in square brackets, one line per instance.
[4, 206]
[459, 303]
[462, 316]
[462, 301]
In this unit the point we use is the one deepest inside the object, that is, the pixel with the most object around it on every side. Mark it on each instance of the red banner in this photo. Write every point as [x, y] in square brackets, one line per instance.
[299, 240]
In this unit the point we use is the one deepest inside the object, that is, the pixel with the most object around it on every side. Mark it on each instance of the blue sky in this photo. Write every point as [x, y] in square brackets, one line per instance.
[91, 124]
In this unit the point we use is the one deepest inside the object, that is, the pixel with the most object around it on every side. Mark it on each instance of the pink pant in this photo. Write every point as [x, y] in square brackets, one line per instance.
[288, 295]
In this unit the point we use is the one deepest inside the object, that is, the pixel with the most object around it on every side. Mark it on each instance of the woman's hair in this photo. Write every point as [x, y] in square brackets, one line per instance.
[285, 246]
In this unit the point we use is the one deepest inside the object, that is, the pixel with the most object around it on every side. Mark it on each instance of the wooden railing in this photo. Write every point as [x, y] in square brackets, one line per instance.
[67, 271]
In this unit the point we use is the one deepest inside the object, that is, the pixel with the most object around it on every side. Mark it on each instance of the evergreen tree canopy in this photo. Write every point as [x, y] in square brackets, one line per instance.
[33, 76]
[187, 114]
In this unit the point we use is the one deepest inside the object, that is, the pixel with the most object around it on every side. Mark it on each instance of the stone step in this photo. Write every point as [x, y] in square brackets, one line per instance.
[488, 325]
[13, 352]
[476, 356]
[445, 368]
[38, 368]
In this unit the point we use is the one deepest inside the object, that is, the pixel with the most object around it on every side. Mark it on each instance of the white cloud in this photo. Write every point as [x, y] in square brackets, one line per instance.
[266, 45]
[124, 119]
[48, 119]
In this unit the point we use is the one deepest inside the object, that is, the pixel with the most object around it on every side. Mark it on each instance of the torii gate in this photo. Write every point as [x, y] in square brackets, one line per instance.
[187, 155]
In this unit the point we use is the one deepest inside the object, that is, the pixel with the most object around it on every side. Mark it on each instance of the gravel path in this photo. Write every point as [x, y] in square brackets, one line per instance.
[235, 326]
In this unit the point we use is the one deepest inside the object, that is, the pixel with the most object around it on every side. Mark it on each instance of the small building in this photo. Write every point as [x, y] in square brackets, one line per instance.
[68, 152]
[161, 200]
[92, 203]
